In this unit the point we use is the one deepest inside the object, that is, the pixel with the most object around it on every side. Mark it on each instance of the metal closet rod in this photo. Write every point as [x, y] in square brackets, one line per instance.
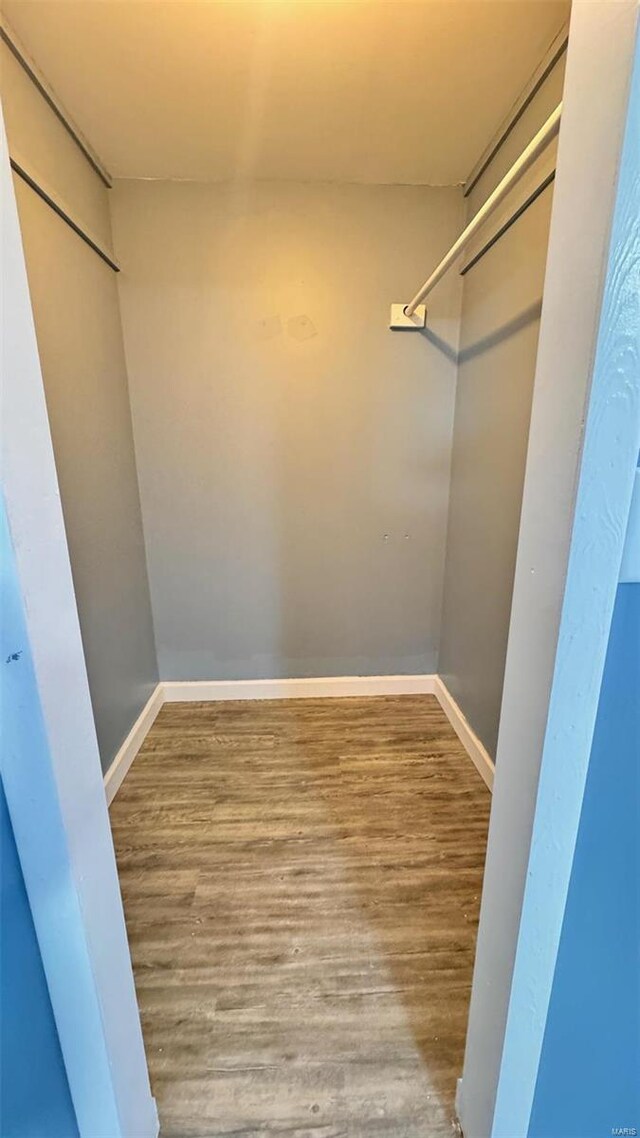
[511, 220]
[529, 155]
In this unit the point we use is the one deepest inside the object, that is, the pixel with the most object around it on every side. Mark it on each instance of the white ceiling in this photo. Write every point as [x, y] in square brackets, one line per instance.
[320, 90]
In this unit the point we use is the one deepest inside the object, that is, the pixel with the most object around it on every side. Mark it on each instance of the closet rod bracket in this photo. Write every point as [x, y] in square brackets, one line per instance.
[400, 322]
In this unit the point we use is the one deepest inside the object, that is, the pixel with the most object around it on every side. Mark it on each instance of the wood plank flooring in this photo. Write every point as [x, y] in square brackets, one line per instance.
[301, 883]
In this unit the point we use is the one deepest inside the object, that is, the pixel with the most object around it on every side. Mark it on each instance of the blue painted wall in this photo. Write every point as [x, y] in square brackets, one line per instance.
[35, 1101]
[589, 1076]
[34, 1094]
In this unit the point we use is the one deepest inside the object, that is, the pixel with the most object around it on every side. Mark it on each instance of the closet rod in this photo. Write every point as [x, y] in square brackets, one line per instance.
[529, 155]
[62, 212]
[406, 316]
[508, 223]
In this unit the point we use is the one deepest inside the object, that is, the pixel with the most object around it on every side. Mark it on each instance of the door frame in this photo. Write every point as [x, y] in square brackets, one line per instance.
[581, 462]
[50, 762]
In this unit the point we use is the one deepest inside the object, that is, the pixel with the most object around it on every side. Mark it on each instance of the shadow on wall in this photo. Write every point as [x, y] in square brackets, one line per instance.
[496, 370]
[441, 345]
[528, 316]
[517, 323]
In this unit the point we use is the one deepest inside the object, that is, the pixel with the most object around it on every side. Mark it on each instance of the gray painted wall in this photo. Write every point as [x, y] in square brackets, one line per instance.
[75, 305]
[293, 453]
[501, 306]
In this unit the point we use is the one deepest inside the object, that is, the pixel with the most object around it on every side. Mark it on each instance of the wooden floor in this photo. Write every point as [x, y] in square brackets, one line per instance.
[301, 884]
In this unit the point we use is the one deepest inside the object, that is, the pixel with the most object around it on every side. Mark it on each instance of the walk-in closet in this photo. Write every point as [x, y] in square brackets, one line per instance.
[281, 271]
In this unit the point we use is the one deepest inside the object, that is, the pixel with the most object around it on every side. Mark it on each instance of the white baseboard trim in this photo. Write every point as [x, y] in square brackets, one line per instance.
[309, 688]
[476, 751]
[323, 687]
[115, 775]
